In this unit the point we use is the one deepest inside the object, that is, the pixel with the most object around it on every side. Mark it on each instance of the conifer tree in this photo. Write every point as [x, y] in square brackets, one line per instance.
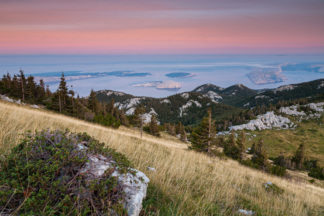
[123, 118]
[183, 135]
[62, 93]
[260, 156]
[203, 136]
[231, 149]
[138, 118]
[30, 89]
[300, 156]
[209, 129]
[241, 144]
[22, 84]
[170, 128]
[93, 102]
[154, 128]
[41, 91]
[72, 104]
[14, 87]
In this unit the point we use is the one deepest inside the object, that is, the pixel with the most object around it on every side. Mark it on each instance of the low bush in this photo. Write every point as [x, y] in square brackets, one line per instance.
[278, 170]
[273, 188]
[317, 173]
[41, 176]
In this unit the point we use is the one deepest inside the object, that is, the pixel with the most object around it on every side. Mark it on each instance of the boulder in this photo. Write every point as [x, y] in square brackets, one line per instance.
[65, 173]
[133, 183]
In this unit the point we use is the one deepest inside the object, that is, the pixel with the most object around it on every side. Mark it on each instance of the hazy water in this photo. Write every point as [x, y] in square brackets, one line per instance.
[123, 72]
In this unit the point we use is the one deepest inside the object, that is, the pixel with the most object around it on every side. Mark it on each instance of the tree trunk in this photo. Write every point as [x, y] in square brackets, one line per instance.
[141, 125]
[209, 129]
[22, 90]
[60, 106]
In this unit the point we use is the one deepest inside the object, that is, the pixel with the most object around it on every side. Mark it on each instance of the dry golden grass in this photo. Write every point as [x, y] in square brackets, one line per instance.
[196, 184]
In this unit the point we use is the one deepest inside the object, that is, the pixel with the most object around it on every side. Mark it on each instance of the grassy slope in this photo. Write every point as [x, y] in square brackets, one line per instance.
[186, 182]
[311, 133]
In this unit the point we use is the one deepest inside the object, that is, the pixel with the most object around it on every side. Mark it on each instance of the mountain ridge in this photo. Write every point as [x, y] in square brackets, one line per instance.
[189, 107]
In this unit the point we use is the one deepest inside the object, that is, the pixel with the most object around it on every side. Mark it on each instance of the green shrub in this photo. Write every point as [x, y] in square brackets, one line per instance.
[317, 173]
[41, 177]
[273, 188]
[107, 120]
[311, 181]
[250, 163]
[278, 170]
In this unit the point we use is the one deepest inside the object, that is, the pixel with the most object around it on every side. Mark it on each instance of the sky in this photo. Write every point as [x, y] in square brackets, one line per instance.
[161, 26]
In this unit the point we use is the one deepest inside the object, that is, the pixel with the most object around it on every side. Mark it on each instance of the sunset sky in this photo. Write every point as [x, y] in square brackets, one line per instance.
[161, 26]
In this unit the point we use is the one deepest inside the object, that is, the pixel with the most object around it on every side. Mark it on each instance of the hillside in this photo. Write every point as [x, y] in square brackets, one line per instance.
[309, 90]
[185, 182]
[311, 133]
[190, 107]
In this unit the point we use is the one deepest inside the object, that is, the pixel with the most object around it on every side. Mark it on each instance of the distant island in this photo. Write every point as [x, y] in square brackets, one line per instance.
[268, 76]
[179, 75]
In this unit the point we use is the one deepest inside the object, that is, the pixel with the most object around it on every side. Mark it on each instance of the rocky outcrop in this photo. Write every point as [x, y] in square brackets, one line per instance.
[75, 173]
[315, 110]
[134, 183]
[265, 121]
[10, 100]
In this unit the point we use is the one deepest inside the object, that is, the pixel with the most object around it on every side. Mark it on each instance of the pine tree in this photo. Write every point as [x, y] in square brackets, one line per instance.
[15, 91]
[252, 148]
[40, 91]
[48, 91]
[93, 102]
[30, 89]
[183, 135]
[62, 93]
[22, 83]
[154, 128]
[300, 156]
[203, 136]
[241, 144]
[170, 129]
[71, 108]
[231, 149]
[260, 156]
[123, 118]
[138, 118]
[209, 130]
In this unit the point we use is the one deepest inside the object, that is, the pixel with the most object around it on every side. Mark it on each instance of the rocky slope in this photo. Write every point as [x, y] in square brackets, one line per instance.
[190, 107]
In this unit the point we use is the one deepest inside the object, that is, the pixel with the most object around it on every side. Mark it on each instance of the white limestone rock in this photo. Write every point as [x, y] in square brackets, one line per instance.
[317, 110]
[320, 85]
[187, 105]
[292, 111]
[108, 93]
[147, 116]
[165, 101]
[5, 98]
[185, 95]
[317, 107]
[245, 212]
[261, 97]
[284, 88]
[265, 121]
[213, 96]
[130, 111]
[134, 183]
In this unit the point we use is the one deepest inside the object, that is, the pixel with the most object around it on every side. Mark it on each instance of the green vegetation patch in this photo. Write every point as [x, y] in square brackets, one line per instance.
[41, 176]
[310, 133]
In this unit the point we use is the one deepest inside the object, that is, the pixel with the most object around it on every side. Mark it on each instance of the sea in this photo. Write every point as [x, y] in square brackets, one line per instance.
[164, 75]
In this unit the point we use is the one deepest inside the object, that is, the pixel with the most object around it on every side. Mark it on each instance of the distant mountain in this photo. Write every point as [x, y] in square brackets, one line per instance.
[187, 107]
[233, 95]
[307, 90]
[191, 107]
